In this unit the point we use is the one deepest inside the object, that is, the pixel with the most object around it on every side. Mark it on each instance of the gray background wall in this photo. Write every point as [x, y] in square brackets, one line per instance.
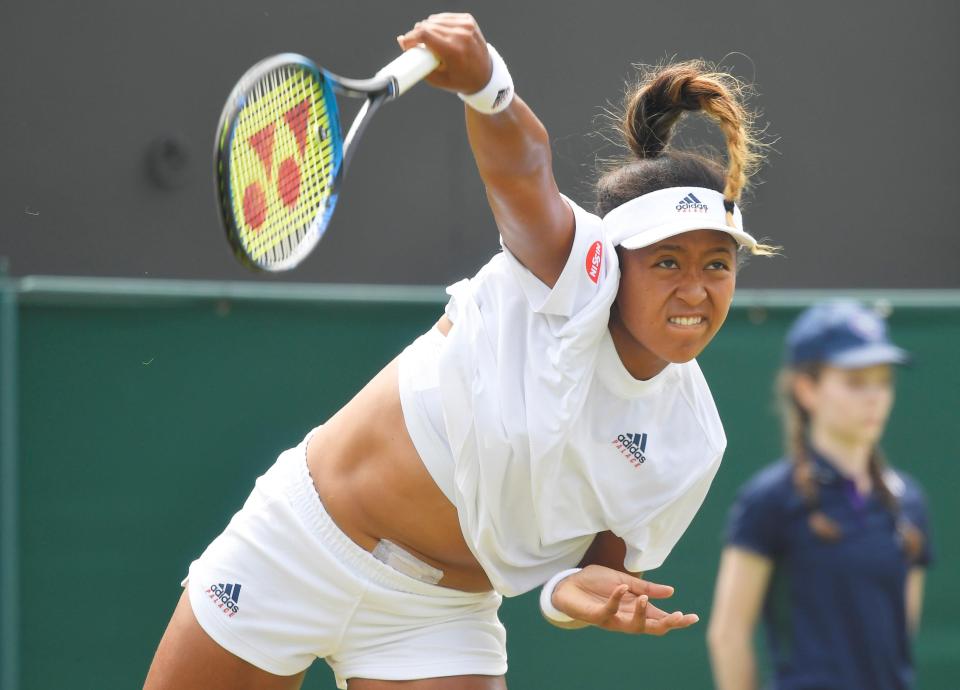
[861, 95]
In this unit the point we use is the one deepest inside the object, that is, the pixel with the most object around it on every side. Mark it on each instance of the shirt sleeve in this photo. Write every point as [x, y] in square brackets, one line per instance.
[754, 521]
[588, 265]
[649, 543]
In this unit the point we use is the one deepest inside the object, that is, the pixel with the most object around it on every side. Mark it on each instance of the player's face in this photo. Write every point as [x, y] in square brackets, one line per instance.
[851, 405]
[673, 298]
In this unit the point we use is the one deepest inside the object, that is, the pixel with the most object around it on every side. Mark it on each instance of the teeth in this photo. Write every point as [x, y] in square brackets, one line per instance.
[686, 320]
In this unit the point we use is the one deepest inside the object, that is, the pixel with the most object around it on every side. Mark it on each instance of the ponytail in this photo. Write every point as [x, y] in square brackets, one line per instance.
[797, 427]
[655, 107]
[651, 111]
[910, 535]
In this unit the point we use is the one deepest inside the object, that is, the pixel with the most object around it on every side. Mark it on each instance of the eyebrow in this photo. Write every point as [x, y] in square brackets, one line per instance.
[678, 248]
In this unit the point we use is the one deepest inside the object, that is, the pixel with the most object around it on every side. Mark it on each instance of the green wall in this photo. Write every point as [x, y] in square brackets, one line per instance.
[143, 411]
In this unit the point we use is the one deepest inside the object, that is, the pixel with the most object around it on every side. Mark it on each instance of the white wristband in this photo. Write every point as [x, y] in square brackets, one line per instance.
[498, 93]
[546, 597]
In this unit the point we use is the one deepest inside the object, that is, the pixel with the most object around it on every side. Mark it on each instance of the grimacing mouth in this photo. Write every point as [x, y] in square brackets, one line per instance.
[688, 320]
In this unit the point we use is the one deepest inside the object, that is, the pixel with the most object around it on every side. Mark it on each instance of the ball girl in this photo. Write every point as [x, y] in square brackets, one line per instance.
[829, 544]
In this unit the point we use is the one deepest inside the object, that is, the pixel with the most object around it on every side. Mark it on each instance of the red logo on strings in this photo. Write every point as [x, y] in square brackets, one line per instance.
[288, 172]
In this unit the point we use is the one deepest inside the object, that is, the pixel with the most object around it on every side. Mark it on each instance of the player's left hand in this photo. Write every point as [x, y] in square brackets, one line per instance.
[617, 601]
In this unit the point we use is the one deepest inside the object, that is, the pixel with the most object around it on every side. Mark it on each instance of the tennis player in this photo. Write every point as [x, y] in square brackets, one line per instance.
[830, 543]
[553, 427]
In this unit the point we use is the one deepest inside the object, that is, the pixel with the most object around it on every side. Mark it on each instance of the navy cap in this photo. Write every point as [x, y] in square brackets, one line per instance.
[842, 333]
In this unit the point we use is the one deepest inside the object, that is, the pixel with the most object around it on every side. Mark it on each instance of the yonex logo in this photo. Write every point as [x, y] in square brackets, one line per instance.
[633, 447]
[225, 597]
[691, 204]
[261, 195]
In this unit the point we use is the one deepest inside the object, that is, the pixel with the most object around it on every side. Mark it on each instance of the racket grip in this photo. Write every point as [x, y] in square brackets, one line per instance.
[412, 66]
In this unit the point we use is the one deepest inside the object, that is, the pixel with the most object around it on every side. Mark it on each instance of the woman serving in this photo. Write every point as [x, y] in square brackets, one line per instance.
[552, 429]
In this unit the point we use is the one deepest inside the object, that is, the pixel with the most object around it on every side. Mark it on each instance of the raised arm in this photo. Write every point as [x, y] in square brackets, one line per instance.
[511, 148]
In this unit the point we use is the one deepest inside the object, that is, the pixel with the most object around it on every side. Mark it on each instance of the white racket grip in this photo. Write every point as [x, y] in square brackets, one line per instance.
[412, 66]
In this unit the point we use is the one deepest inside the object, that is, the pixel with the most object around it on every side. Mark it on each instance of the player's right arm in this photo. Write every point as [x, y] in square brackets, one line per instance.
[741, 586]
[511, 148]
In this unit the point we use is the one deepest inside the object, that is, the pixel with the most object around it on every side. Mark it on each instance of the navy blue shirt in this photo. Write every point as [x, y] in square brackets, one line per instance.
[835, 613]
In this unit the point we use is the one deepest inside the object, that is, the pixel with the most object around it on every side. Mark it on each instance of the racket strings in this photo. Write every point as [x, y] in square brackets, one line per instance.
[283, 162]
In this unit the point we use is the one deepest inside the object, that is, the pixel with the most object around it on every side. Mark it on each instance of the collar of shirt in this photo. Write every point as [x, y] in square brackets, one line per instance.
[828, 474]
[619, 381]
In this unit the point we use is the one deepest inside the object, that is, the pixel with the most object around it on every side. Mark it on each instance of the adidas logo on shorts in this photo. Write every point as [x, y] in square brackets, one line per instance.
[225, 597]
[633, 447]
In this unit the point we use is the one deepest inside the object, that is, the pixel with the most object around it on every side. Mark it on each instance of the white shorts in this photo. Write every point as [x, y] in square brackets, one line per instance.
[282, 585]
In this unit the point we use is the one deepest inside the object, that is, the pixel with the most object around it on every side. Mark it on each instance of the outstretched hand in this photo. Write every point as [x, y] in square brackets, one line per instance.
[456, 41]
[613, 600]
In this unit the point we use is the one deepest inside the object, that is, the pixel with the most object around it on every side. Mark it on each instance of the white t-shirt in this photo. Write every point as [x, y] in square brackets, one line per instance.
[530, 424]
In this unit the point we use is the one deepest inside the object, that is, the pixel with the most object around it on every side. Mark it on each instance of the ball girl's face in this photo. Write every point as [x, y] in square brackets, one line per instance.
[675, 295]
[851, 405]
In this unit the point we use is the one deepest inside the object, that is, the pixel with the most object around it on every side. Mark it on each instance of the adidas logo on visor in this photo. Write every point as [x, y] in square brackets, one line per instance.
[691, 204]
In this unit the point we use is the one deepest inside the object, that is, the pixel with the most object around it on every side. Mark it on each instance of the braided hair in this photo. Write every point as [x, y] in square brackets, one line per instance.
[651, 111]
[796, 421]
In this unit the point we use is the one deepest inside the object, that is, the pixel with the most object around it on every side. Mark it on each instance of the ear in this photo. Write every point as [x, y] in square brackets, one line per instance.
[805, 390]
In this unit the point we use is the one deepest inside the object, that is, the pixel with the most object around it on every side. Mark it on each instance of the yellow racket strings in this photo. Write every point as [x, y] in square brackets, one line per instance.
[281, 163]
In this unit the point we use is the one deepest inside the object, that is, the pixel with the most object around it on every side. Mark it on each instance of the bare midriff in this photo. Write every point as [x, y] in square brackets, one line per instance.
[374, 485]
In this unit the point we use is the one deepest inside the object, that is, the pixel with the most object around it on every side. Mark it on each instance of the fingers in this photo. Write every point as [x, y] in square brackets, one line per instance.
[612, 606]
[456, 41]
[421, 33]
[439, 31]
[651, 589]
[616, 601]
[673, 621]
[647, 619]
[639, 621]
[654, 612]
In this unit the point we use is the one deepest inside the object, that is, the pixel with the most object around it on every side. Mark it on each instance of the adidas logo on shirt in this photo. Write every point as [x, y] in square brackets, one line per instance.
[633, 447]
[225, 597]
[691, 204]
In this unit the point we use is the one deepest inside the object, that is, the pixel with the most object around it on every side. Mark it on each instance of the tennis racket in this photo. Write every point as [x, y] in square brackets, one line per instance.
[279, 155]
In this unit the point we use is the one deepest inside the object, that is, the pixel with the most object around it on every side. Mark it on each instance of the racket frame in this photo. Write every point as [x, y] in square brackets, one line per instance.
[389, 83]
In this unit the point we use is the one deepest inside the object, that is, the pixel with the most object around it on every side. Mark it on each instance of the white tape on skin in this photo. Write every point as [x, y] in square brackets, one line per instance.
[497, 95]
[546, 597]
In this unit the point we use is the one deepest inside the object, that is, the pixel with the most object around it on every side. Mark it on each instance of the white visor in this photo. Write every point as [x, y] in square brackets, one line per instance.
[667, 212]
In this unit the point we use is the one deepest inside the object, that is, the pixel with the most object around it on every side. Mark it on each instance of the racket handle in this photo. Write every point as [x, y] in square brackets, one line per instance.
[412, 66]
